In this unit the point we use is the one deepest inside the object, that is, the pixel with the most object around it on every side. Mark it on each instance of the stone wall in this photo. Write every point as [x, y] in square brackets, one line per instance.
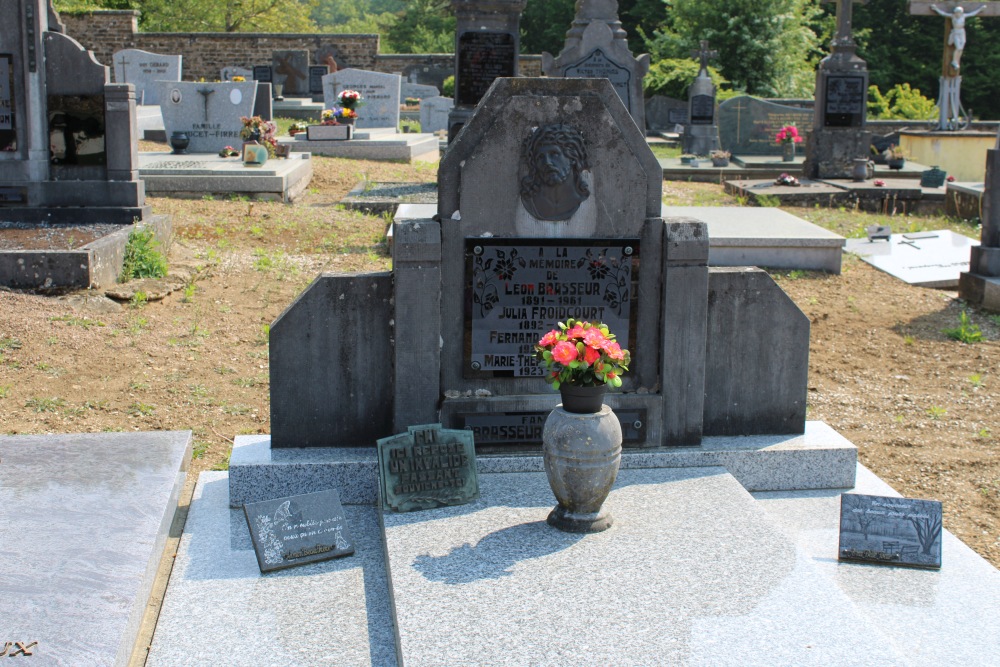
[205, 53]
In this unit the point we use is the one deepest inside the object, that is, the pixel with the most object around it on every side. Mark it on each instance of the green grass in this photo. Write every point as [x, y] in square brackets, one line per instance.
[142, 256]
[965, 332]
[45, 404]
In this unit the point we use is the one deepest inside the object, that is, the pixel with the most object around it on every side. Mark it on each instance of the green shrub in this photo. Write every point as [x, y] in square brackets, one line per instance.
[142, 257]
[672, 76]
[448, 87]
[900, 103]
[966, 332]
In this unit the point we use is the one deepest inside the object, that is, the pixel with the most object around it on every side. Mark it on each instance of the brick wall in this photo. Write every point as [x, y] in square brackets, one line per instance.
[206, 53]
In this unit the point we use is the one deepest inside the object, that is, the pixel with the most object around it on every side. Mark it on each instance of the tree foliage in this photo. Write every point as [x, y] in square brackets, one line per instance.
[900, 102]
[671, 77]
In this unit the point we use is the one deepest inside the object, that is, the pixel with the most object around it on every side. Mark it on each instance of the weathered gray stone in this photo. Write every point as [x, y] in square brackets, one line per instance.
[209, 113]
[379, 93]
[758, 356]
[596, 47]
[429, 75]
[701, 134]
[434, 113]
[417, 90]
[291, 70]
[143, 69]
[664, 114]
[981, 284]
[331, 364]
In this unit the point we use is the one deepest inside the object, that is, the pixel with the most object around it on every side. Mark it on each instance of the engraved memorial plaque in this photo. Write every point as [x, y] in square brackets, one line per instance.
[263, 73]
[598, 66]
[10, 195]
[518, 291]
[677, 116]
[316, 74]
[702, 110]
[525, 428]
[482, 57]
[8, 134]
[891, 531]
[427, 467]
[298, 529]
[846, 96]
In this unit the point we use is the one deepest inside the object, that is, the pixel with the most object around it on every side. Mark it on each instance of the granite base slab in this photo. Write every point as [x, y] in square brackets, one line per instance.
[819, 458]
[198, 174]
[372, 146]
[742, 236]
[85, 519]
[926, 259]
[980, 291]
[220, 610]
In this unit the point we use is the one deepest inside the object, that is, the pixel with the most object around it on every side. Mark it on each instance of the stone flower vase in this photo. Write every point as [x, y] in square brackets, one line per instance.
[582, 452]
[788, 151]
[179, 141]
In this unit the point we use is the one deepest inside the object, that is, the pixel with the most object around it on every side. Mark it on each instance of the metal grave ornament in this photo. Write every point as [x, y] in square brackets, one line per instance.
[427, 467]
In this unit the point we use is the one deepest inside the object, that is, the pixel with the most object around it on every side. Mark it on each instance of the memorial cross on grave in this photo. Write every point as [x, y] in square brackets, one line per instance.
[205, 93]
[843, 39]
[123, 63]
[704, 54]
[952, 115]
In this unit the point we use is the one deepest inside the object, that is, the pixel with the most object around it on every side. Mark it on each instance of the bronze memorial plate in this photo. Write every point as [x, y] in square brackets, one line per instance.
[427, 467]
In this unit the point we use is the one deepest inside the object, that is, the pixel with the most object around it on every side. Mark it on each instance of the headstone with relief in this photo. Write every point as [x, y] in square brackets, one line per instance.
[143, 69]
[209, 113]
[291, 70]
[227, 73]
[380, 95]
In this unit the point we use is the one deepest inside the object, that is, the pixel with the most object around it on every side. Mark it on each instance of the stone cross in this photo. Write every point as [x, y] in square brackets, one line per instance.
[123, 63]
[205, 92]
[704, 54]
[845, 10]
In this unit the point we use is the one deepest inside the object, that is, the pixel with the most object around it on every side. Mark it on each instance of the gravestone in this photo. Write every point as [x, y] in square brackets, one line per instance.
[701, 134]
[980, 285]
[747, 125]
[291, 70]
[379, 94]
[428, 75]
[263, 73]
[487, 44]
[316, 74]
[227, 73]
[209, 113]
[69, 137]
[143, 69]
[418, 91]
[839, 135]
[434, 113]
[664, 114]
[596, 47]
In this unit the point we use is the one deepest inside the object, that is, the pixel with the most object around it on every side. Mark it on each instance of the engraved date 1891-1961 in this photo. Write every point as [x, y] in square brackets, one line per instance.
[14, 649]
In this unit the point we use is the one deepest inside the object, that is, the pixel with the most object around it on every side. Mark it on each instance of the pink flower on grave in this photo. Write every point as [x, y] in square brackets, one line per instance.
[575, 332]
[879, 183]
[951, 179]
[590, 355]
[594, 337]
[564, 352]
[787, 135]
[549, 339]
[613, 350]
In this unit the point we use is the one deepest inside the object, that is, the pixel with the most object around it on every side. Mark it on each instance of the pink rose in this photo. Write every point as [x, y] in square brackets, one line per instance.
[614, 350]
[550, 338]
[594, 338]
[564, 352]
[590, 355]
[575, 332]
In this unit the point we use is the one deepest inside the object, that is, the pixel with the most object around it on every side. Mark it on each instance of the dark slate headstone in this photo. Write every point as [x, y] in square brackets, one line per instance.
[76, 129]
[664, 113]
[8, 134]
[316, 74]
[291, 69]
[482, 57]
[428, 75]
[263, 73]
[747, 125]
[890, 531]
[331, 364]
[298, 530]
[427, 467]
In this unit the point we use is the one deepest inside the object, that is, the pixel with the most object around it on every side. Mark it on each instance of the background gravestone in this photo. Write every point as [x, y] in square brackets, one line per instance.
[701, 134]
[316, 74]
[434, 113]
[428, 75]
[143, 69]
[263, 73]
[747, 125]
[981, 284]
[596, 47]
[227, 73]
[209, 113]
[663, 113]
[418, 91]
[379, 92]
[291, 69]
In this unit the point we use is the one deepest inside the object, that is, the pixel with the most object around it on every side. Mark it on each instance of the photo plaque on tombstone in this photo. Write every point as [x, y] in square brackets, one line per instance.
[482, 57]
[890, 531]
[702, 110]
[298, 529]
[518, 289]
[427, 467]
[263, 73]
[76, 130]
[845, 101]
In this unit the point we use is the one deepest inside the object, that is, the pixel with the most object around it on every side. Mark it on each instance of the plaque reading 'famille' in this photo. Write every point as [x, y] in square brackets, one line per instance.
[702, 110]
[427, 467]
[597, 65]
[298, 529]
[846, 97]
[516, 292]
[482, 57]
[891, 531]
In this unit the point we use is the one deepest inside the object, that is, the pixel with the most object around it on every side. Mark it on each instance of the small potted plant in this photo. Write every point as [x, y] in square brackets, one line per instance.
[720, 158]
[687, 158]
[259, 131]
[229, 151]
[895, 158]
[582, 355]
[335, 125]
[411, 102]
[296, 128]
[787, 137]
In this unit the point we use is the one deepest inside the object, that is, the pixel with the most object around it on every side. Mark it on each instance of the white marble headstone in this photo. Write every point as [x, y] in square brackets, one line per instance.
[208, 112]
[380, 94]
[928, 259]
[143, 69]
[434, 113]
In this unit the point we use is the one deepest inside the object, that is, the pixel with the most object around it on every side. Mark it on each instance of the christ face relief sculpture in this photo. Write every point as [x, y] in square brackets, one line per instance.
[555, 185]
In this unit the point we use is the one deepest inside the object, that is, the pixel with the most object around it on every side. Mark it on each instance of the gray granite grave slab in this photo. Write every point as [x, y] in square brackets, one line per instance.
[747, 125]
[209, 113]
[220, 610]
[143, 69]
[818, 458]
[746, 236]
[291, 70]
[434, 113]
[300, 108]
[380, 94]
[85, 519]
[927, 259]
[372, 146]
[168, 175]
[691, 570]
[418, 91]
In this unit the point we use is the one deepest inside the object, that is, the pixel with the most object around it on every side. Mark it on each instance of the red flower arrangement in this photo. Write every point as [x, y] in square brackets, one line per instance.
[582, 354]
[787, 135]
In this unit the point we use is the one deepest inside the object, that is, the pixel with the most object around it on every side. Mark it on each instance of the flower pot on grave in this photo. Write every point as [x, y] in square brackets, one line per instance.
[720, 162]
[254, 155]
[788, 152]
[346, 121]
[933, 177]
[582, 453]
[179, 141]
[862, 170]
[895, 163]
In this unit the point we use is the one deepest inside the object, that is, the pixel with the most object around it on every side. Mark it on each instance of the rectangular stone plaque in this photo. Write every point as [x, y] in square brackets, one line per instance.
[846, 96]
[525, 428]
[298, 529]
[13, 195]
[702, 110]
[891, 531]
[427, 467]
[597, 65]
[677, 116]
[8, 134]
[316, 74]
[517, 291]
[263, 73]
[482, 57]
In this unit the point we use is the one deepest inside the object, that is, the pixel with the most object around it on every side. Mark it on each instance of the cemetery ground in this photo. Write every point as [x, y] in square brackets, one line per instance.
[920, 406]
